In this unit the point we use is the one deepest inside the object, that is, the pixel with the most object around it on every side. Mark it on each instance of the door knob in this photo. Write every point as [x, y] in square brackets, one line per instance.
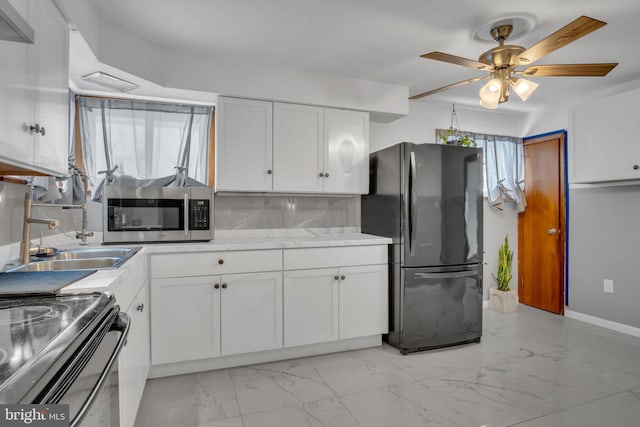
[336, 277]
[342, 277]
[220, 261]
[552, 231]
[217, 286]
[224, 286]
[321, 175]
[269, 172]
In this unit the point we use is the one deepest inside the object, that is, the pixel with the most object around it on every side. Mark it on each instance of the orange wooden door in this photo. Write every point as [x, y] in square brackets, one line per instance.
[541, 228]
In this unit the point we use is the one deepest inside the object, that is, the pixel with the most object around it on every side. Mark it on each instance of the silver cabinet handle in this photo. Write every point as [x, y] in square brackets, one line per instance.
[552, 231]
[37, 129]
[140, 307]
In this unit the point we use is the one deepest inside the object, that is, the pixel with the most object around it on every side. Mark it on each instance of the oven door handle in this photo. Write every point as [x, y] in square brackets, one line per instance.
[120, 324]
[186, 215]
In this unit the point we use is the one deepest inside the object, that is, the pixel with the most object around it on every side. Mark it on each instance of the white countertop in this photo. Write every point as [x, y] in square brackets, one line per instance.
[111, 280]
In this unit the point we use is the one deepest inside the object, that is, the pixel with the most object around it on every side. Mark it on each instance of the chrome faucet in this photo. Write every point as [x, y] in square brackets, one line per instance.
[85, 214]
[25, 244]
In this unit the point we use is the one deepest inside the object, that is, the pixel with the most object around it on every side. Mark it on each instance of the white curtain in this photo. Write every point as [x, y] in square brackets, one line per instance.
[504, 169]
[131, 142]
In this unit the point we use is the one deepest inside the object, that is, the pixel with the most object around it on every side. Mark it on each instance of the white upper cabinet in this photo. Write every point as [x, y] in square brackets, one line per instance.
[346, 145]
[34, 87]
[243, 145]
[602, 145]
[315, 150]
[298, 152]
[52, 94]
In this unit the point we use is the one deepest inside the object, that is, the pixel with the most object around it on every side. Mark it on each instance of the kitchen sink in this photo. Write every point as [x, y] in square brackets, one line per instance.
[68, 264]
[78, 259]
[92, 253]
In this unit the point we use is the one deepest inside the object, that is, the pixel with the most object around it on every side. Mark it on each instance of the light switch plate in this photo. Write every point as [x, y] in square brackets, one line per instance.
[608, 286]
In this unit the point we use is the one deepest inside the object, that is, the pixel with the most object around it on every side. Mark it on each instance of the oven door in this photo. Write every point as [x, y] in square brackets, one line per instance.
[89, 383]
[145, 214]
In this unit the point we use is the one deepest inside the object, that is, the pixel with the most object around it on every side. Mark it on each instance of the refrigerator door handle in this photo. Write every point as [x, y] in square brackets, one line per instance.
[465, 273]
[412, 201]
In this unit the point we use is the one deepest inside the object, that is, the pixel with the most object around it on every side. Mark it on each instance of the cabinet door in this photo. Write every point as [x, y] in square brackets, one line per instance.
[346, 145]
[16, 95]
[243, 145]
[51, 103]
[251, 312]
[363, 301]
[133, 366]
[310, 306]
[602, 145]
[185, 320]
[297, 148]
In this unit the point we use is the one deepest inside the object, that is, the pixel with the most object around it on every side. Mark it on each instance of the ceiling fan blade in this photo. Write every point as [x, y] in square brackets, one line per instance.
[451, 86]
[568, 70]
[567, 34]
[457, 60]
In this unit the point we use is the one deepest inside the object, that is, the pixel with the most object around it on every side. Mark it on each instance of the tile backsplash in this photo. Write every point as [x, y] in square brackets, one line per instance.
[12, 208]
[236, 212]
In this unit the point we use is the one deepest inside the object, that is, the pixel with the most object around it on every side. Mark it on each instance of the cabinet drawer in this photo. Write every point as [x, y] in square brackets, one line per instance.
[213, 263]
[334, 257]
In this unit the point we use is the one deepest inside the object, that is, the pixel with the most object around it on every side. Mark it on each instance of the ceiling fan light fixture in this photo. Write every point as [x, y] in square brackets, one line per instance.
[523, 88]
[490, 94]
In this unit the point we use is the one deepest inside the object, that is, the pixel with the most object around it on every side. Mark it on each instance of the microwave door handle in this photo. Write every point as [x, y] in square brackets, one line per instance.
[120, 324]
[186, 215]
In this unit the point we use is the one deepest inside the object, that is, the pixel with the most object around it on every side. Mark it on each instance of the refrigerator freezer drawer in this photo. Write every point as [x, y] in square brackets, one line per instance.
[439, 308]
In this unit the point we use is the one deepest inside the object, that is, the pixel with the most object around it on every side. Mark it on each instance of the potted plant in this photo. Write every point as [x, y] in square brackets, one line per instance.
[502, 298]
[452, 136]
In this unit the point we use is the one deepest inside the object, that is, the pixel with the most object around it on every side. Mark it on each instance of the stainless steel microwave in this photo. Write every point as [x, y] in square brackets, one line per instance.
[157, 214]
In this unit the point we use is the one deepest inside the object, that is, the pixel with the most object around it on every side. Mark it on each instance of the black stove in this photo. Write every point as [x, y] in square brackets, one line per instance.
[39, 334]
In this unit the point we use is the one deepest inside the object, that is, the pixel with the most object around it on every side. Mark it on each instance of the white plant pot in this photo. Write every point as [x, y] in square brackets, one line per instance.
[503, 302]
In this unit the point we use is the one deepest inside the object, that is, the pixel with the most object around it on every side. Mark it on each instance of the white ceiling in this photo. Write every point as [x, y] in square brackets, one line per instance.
[382, 40]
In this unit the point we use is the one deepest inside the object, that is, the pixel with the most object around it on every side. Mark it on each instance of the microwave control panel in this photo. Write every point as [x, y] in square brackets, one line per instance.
[199, 214]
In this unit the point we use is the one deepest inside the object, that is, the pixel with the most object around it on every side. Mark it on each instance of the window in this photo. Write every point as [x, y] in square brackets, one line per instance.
[144, 143]
[503, 158]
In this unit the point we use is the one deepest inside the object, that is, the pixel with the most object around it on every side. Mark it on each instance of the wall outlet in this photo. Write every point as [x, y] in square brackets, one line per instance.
[608, 286]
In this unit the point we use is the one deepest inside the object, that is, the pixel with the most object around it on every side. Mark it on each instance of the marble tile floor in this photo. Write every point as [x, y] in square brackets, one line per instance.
[531, 369]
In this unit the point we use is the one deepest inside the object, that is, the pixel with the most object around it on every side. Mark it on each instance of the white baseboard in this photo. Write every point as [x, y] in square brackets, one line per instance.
[222, 362]
[618, 327]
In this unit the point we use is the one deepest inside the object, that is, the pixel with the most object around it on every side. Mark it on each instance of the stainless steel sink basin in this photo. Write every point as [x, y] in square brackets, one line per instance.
[90, 253]
[68, 264]
[79, 259]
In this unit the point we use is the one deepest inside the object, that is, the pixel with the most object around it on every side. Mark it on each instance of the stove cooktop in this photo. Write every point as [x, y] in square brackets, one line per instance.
[32, 326]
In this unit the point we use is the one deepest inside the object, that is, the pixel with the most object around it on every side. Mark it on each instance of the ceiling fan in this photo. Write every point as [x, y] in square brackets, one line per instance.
[503, 60]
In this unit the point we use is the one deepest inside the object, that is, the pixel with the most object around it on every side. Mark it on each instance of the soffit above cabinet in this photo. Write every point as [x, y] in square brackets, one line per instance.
[13, 27]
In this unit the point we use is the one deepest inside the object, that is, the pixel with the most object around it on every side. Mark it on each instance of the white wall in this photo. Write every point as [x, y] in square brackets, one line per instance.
[603, 230]
[419, 127]
[122, 49]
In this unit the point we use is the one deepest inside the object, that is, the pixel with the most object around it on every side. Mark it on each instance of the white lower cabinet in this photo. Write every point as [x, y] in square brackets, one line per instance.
[250, 312]
[133, 363]
[337, 302]
[323, 295]
[202, 317]
[185, 319]
[363, 301]
[310, 306]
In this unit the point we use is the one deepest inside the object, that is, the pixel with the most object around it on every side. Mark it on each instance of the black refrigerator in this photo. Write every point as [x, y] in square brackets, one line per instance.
[428, 199]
